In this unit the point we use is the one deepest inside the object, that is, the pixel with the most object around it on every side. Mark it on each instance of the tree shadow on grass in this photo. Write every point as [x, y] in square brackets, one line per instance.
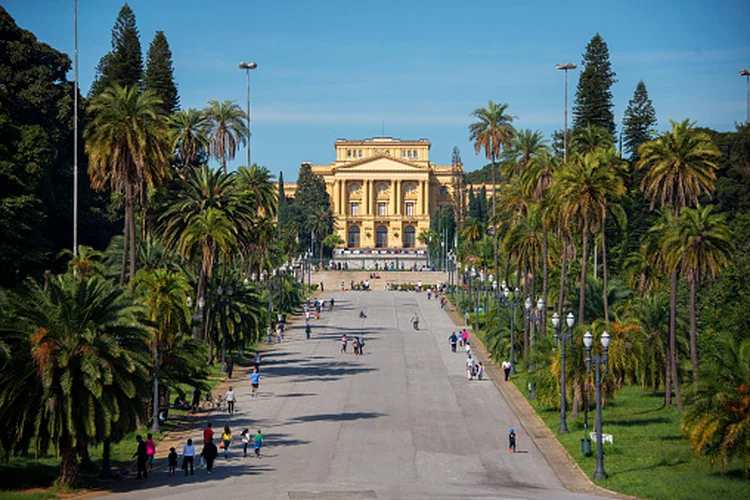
[639, 422]
[664, 462]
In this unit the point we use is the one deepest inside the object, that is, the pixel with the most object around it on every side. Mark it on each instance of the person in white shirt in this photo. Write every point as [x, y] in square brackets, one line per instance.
[188, 455]
[230, 400]
[506, 369]
[470, 367]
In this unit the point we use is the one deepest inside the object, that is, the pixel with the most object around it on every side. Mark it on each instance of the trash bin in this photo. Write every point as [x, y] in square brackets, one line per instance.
[586, 447]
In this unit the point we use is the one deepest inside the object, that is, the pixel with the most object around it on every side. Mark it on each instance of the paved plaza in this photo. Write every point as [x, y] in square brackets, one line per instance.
[400, 421]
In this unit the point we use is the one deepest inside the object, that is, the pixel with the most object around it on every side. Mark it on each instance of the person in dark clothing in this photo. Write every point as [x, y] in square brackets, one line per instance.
[332, 304]
[230, 366]
[172, 458]
[453, 340]
[512, 439]
[209, 454]
[142, 457]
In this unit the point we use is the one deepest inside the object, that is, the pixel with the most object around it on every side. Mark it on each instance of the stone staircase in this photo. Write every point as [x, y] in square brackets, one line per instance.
[332, 279]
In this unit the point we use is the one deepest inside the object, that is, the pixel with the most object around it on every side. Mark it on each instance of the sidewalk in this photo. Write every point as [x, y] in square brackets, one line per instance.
[570, 474]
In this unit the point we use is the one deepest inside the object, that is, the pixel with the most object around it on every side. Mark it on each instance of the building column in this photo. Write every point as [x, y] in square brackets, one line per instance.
[426, 198]
[397, 196]
[373, 198]
[364, 198]
[337, 198]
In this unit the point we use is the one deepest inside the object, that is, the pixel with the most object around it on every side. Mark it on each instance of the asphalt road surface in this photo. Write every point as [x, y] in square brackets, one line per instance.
[400, 421]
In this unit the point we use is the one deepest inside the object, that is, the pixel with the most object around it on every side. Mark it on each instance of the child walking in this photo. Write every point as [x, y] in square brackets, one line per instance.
[512, 439]
[257, 443]
[245, 435]
[172, 461]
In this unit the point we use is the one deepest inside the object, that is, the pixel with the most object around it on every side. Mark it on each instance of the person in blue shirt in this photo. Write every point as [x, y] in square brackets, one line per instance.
[255, 380]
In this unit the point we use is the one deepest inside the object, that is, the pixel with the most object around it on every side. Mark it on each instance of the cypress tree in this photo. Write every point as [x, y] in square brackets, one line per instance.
[640, 118]
[474, 209]
[593, 104]
[456, 156]
[281, 209]
[484, 209]
[159, 75]
[124, 64]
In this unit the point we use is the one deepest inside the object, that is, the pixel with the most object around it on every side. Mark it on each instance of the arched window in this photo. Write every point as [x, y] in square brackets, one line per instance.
[409, 237]
[381, 237]
[354, 237]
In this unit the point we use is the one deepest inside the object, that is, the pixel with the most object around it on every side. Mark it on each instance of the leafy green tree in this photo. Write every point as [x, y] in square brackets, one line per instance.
[228, 130]
[639, 120]
[123, 65]
[78, 373]
[527, 145]
[718, 424]
[128, 151]
[163, 294]
[159, 75]
[311, 196]
[456, 156]
[700, 246]
[257, 182]
[593, 103]
[189, 136]
[681, 165]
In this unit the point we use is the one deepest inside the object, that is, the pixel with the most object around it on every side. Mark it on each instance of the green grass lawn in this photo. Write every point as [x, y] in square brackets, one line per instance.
[27, 477]
[649, 458]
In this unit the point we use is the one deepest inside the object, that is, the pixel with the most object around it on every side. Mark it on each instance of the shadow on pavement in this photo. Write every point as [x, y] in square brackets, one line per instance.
[337, 417]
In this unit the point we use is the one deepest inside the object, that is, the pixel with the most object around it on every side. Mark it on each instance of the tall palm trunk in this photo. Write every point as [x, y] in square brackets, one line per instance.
[155, 423]
[527, 315]
[545, 276]
[125, 237]
[584, 261]
[494, 211]
[604, 270]
[673, 338]
[668, 377]
[563, 272]
[68, 465]
[693, 330]
[129, 209]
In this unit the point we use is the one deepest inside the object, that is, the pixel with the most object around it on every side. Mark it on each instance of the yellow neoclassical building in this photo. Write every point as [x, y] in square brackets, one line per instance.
[383, 191]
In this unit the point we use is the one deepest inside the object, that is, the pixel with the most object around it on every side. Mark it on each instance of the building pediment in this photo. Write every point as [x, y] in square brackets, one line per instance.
[381, 164]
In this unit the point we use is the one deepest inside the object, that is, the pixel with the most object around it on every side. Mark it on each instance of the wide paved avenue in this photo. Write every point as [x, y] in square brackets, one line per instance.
[401, 421]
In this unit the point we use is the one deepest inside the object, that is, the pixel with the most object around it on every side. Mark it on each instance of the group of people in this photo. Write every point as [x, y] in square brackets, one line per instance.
[474, 368]
[358, 345]
[210, 451]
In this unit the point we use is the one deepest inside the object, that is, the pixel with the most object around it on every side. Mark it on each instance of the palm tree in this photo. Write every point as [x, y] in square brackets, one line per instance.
[87, 263]
[189, 134]
[700, 246]
[322, 222]
[128, 151]
[681, 166]
[258, 182]
[526, 146]
[493, 131]
[591, 139]
[581, 189]
[164, 294]
[228, 130]
[209, 215]
[718, 424]
[78, 373]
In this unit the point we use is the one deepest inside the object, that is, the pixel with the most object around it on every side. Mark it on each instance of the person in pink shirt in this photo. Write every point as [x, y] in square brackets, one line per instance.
[464, 337]
[150, 451]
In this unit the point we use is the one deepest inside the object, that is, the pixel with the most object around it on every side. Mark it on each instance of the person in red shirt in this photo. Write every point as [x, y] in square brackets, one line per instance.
[208, 434]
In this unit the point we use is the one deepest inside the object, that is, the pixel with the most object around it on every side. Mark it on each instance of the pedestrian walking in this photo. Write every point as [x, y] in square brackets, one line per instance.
[429, 293]
[361, 342]
[506, 369]
[209, 454]
[141, 457]
[268, 335]
[230, 366]
[172, 461]
[208, 433]
[342, 286]
[470, 367]
[355, 346]
[256, 360]
[480, 371]
[464, 337]
[466, 318]
[230, 400]
[257, 443]
[196, 399]
[278, 333]
[245, 436]
[415, 321]
[332, 303]
[467, 347]
[226, 440]
[453, 339]
[255, 381]
[150, 451]
[512, 441]
[343, 344]
[188, 457]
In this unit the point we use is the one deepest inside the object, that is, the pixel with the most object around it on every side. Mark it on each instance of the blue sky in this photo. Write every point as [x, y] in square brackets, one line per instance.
[331, 69]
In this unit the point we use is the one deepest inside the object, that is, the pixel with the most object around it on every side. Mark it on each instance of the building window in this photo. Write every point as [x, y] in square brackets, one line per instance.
[444, 190]
[409, 237]
[353, 237]
[381, 208]
[354, 208]
[410, 208]
[381, 237]
[360, 153]
[348, 153]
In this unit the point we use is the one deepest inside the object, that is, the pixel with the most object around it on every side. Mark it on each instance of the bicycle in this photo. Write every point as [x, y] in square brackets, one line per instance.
[214, 403]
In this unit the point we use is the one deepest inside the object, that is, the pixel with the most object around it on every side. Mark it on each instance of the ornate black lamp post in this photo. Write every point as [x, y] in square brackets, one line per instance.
[564, 338]
[599, 361]
[512, 301]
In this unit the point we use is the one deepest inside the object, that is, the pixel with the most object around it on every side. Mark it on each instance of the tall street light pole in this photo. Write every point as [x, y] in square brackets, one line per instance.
[247, 67]
[75, 129]
[565, 67]
[598, 361]
[746, 74]
[565, 338]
